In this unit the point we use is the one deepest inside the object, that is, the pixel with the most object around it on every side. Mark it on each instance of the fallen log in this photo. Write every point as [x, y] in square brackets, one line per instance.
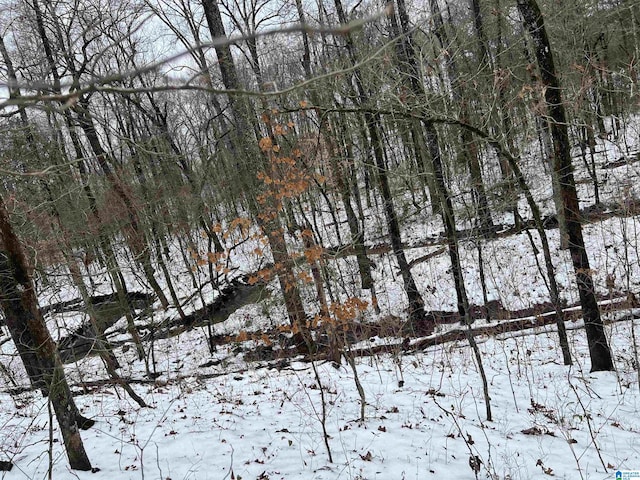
[572, 314]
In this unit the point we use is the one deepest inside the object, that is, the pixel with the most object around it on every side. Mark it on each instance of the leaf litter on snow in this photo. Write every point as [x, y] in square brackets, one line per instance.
[233, 419]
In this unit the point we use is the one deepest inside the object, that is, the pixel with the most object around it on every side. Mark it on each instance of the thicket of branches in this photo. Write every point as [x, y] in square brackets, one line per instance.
[135, 126]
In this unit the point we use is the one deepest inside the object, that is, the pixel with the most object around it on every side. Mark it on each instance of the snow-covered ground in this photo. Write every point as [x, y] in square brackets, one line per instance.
[258, 423]
[425, 414]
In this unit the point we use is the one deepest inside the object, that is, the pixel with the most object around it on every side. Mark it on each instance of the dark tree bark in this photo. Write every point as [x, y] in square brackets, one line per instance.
[414, 140]
[454, 255]
[28, 330]
[306, 52]
[478, 24]
[504, 121]
[245, 144]
[598, 344]
[431, 139]
[243, 114]
[374, 125]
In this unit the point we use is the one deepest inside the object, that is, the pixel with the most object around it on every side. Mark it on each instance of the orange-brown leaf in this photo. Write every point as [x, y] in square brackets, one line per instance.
[265, 144]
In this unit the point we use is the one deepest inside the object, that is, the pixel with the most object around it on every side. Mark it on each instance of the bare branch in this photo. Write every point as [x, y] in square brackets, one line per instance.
[105, 84]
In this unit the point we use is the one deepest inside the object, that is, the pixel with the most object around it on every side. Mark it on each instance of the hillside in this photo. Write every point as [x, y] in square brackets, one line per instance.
[235, 413]
[274, 239]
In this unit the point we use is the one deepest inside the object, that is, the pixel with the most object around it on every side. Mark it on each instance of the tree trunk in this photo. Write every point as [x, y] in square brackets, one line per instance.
[414, 140]
[478, 24]
[245, 145]
[105, 349]
[444, 198]
[373, 124]
[598, 344]
[505, 122]
[243, 114]
[24, 320]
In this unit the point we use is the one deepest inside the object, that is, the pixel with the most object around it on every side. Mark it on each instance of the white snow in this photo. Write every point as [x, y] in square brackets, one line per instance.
[261, 421]
[425, 412]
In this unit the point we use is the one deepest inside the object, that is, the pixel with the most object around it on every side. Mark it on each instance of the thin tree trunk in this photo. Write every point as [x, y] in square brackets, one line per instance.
[416, 141]
[247, 134]
[243, 114]
[444, 198]
[478, 24]
[449, 221]
[373, 124]
[543, 130]
[505, 121]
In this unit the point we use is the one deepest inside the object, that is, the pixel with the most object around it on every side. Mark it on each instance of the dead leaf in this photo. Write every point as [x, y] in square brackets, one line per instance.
[367, 457]
[532, 431]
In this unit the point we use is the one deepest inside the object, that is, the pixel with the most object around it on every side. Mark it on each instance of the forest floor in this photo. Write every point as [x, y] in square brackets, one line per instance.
[254, 410]
[424, 416]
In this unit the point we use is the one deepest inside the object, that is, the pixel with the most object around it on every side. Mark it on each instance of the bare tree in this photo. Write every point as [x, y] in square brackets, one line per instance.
[247, 133]
[29, 332]
[598, 344]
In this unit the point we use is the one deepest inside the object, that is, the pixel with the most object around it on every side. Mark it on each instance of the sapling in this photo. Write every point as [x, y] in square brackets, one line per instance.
[352, 363]
[475, 460]
[587, 417]
[323, 412]
[50, 449]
